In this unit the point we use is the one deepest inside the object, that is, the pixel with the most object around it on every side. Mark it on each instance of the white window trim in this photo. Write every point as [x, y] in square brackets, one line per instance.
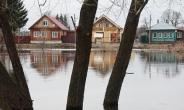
[46, 22]
[53, 34]
[154, 35]
[159, 35]
[179, 35]
[36, 35]
[165, 35]
[170, 35]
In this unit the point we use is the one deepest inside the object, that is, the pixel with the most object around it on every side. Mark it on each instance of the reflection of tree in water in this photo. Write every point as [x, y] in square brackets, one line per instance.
[143, 55]
[48, 62]
[102, 62]
[110, 108]
[165, 62]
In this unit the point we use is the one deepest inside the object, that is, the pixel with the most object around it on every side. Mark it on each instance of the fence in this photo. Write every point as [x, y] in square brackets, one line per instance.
[22, 39]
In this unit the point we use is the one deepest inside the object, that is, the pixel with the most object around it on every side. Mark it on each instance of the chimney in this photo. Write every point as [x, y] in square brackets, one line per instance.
[157, 21]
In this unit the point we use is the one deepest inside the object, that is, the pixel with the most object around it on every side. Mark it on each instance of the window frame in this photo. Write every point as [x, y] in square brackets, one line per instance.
[170, 35]
[154, 35]
[36, 33]
[179, 35]
[159, 35]
[54, 33]
[165, 34]
[45, 22]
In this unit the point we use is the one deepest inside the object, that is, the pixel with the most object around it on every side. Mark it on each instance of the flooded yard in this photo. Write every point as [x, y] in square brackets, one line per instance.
[156, 82]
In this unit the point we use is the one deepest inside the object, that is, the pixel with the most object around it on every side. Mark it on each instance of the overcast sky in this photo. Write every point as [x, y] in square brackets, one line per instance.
[155, 8]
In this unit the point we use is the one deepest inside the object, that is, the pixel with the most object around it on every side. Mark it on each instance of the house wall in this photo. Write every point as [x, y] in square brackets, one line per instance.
[163, 39]
[49, 34]
[50, 23]
[182, 34]
[107, 31]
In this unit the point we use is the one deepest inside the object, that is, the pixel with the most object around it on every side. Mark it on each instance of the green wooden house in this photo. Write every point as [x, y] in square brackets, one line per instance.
[163, 32]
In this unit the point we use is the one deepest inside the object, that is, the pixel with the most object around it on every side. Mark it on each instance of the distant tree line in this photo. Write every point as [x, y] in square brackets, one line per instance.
[63, 19]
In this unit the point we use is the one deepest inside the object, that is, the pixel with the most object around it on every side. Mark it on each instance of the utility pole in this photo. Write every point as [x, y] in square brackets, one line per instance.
[74, 24]
[150, 30]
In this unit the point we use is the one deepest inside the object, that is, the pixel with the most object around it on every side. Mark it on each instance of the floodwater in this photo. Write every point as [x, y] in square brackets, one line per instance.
[157, 82]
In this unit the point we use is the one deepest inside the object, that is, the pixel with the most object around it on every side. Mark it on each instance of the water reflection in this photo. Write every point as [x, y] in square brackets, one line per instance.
[163, 63]
[47, 62]
[102, 62]
[110, 108]
[137, 86]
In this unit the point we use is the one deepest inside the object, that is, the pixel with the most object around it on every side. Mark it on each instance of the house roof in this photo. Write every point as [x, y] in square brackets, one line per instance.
[54, 20]
[163, 26]
[104, 16]
[182, 29]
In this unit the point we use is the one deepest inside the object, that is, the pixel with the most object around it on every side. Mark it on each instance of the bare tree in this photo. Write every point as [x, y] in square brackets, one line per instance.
[142, 29]
[145, 23]
[172, 16]
[124, 53]
[83, 49]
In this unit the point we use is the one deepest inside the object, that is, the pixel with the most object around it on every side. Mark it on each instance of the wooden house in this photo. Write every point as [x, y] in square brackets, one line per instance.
[163, 32]
[47, 29]
[106, 30]
[180, 34]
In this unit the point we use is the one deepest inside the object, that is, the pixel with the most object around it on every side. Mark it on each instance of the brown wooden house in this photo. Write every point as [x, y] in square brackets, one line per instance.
[105, 30]
[47, 29]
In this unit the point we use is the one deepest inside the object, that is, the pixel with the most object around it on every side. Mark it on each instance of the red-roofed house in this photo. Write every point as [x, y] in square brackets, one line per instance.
[48, 29]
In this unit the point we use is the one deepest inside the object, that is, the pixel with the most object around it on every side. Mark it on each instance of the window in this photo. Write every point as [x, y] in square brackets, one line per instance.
[160, 35]
[165, 35]
[54, 34]
[98, 25]
[108, 25]
[45, 23]
[44, 34]
[170, 35]
[36, 34]
[179, 35]
[154, 34]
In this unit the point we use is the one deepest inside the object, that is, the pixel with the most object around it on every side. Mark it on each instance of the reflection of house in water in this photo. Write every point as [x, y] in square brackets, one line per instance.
[170, 60]
[103, 62]
[161, 57]
[164, 57]
[47, 62]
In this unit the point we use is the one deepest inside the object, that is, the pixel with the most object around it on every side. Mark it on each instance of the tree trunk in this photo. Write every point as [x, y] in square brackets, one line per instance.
[124, 53]
[22, 87]
[83, 49]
